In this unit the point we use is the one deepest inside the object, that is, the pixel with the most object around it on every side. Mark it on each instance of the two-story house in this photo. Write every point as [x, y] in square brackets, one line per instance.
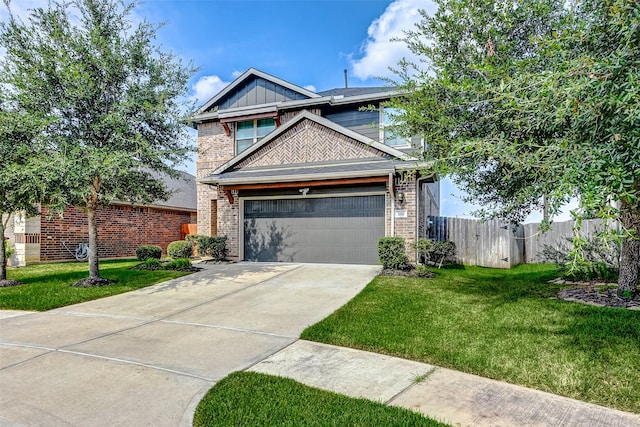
[288, 174]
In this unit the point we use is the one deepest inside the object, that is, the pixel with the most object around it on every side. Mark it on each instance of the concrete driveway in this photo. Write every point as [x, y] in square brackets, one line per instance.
[147, 357]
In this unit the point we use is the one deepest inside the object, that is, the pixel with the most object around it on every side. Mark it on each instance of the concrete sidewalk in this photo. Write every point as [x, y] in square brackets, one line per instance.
[449, 396]
[148, 356]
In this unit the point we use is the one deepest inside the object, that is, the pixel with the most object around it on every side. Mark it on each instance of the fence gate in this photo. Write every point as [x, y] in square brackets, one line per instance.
[491, 243]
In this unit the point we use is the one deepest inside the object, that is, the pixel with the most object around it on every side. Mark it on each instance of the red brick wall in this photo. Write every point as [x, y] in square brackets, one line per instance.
[121, 229]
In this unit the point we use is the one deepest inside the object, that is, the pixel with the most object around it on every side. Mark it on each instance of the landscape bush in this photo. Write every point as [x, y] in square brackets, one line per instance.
[391, 253]
[180, 249]
[145, 252]
[436, 252]
[150, 264]
[213, 246]
[599, 260]
[180, 264]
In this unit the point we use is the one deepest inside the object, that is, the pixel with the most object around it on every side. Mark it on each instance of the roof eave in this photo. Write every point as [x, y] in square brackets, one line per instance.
[294, 177]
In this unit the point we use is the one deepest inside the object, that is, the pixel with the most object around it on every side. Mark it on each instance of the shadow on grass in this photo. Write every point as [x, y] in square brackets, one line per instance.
[503, 286]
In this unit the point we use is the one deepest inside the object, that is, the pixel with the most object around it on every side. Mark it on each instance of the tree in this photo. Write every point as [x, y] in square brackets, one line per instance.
[113, 101]
[20, 180]
[523, 99]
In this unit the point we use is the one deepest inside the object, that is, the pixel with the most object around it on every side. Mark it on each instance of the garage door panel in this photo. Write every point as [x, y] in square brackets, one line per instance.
[332, 229]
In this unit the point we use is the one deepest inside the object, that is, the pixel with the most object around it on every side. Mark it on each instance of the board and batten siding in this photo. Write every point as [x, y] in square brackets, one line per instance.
[258, 91]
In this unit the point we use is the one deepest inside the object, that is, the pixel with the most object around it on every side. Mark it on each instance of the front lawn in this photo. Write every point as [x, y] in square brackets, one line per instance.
[501, 324]
[46, 286]
[253, 399]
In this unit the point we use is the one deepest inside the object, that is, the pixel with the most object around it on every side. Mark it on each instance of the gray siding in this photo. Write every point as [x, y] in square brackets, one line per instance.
[258, 91]
[363, 122]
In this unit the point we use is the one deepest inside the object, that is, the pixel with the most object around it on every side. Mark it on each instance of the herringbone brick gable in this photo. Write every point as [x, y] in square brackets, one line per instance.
[308, 142]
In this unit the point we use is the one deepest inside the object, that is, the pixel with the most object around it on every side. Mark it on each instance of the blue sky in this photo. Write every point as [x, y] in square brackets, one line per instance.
[306, 42]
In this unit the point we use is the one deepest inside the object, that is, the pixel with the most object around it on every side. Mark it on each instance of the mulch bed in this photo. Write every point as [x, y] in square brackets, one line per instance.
[595, 293]
[9, 283]
[90, 283]
[217, 261]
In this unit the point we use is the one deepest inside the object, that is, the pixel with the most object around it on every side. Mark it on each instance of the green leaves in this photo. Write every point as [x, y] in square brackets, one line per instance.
[112, 101]
[110, 104]
[531, 99]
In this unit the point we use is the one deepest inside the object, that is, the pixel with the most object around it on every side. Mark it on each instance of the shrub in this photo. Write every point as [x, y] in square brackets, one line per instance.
[143, 253]
[436, 252]
[150, 264]
[391, 253]
[180, 264]
[180, 249]
[599, 259]
[215, 247]
[443, 251]
[424, 248]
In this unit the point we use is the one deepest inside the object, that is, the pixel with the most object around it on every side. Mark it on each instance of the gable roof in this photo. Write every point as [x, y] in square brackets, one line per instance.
[251, 73]
[306, 115]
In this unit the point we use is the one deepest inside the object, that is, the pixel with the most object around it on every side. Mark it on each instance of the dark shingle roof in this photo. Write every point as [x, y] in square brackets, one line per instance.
[355, 91]
[310, 171]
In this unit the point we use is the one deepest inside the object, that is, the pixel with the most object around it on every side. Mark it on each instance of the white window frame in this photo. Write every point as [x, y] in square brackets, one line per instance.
[255, 137]
[385, 126]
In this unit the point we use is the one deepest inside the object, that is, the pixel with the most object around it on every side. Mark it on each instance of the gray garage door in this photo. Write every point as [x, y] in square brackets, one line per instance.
[341, 230]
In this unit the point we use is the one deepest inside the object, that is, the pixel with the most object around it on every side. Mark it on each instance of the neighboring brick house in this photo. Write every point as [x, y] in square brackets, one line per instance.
[121, 227]
[292, 175]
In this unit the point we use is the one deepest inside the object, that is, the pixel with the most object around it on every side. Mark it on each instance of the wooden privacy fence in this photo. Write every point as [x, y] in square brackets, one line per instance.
[498, 244]
[491, 243]
[558, 236]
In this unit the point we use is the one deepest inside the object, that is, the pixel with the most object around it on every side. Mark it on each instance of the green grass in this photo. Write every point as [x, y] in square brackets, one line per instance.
[252, 399]
[46, 286]
[500, 324]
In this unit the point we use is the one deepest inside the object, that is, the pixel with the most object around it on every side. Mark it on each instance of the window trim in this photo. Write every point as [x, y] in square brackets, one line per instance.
[383, 127]
[254, 137]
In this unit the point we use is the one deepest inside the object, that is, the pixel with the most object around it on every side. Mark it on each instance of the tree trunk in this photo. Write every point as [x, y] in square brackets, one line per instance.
[630, 255]
[92, 208]
[3, 260]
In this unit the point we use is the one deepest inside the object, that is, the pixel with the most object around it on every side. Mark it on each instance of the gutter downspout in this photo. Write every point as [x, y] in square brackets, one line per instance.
[418, 214]
[392, 194]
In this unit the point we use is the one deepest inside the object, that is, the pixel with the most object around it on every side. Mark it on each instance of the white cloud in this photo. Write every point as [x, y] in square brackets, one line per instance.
[206, 87]
[236, 74]
[378, 51]
[312, 88]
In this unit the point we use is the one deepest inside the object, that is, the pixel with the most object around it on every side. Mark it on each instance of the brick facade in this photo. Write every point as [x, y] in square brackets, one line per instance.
[308, 142]
[214, 149]
[121, 229]
[407, 227]
[229, 222]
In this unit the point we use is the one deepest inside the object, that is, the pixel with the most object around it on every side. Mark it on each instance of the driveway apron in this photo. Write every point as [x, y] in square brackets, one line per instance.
[146, 358]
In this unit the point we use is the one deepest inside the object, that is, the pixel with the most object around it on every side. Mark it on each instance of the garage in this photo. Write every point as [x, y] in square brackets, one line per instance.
[329, 229]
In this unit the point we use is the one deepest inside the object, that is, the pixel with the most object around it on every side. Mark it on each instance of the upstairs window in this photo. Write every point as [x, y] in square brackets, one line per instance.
[252, 131]
[389, 131]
